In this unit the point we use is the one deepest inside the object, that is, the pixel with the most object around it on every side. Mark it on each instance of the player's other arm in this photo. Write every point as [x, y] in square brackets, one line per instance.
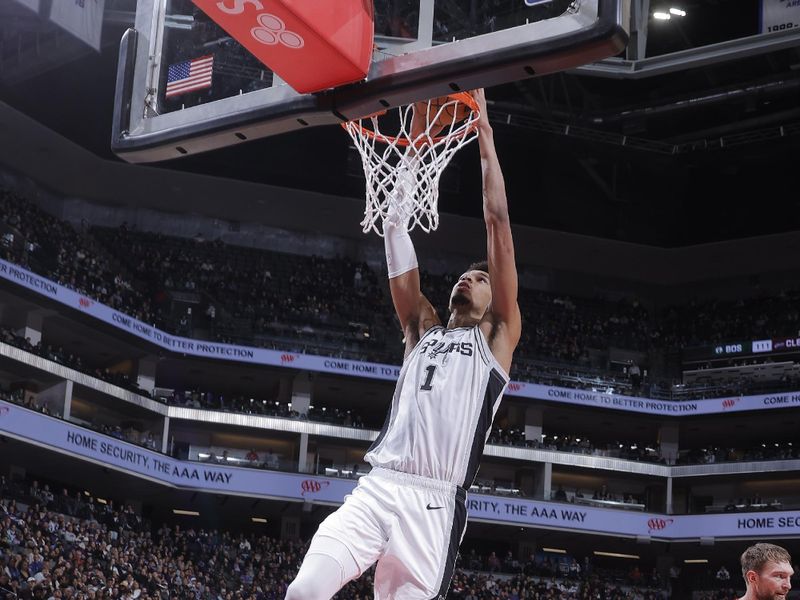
[413, 309]
[504, 309]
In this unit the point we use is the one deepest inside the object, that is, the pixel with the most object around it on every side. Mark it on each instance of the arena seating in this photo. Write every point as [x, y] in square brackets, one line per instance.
[338, 307]
[73, 545]
[34, 239]
[601, 497]
[768, 450]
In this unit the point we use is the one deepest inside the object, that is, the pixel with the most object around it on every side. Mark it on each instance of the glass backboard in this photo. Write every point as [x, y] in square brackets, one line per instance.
[423, 49]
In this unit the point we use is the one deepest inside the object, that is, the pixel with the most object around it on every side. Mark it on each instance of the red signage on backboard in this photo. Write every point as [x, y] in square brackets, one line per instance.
[312, 46]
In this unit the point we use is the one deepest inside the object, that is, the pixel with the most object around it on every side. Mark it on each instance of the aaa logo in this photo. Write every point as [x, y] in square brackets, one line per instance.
[312, 486]
[658, 524]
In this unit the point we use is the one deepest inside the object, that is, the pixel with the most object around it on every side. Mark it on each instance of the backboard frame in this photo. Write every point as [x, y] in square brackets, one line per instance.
[591, 30]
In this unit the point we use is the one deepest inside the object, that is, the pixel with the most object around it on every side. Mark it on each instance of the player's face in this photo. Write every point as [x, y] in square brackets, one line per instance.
[472, 289]
[773, 582]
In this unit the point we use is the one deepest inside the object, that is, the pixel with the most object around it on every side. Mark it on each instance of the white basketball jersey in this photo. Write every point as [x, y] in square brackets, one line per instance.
[441, 415]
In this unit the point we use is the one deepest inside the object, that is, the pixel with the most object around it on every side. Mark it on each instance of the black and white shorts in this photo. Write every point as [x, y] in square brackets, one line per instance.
[411, 526]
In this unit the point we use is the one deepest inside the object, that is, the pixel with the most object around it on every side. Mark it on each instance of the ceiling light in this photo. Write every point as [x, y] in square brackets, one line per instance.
[258, 519]
[616, 555]
[188, 513]
[696, 561]
[554, 550]
[102, 500]
[661, 16]
[677, 12]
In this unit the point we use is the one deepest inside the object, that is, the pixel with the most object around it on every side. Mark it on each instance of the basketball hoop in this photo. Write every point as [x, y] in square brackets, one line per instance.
[403, 170]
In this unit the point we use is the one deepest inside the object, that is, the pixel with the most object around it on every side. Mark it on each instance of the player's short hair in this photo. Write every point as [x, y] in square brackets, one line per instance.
[758, 555]
[479, 266]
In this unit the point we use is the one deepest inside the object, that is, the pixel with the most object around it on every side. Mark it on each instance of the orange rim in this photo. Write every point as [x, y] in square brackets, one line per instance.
[463, 97]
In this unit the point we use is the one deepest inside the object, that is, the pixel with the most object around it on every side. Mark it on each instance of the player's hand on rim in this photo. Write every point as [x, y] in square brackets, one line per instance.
[480, 99]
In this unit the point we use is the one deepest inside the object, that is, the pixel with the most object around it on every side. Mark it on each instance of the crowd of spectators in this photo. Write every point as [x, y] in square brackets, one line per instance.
[576, 444]
[340, 307]
[145, 438]
[511, 436]
[261, 406]
[73, 545]
[265, 298]
[483, 586]
[72, 360]
[753, 503]
[18, 396]
[38, 241]
[188, 398]
[602, 494]
[713, 321]
[711, 455]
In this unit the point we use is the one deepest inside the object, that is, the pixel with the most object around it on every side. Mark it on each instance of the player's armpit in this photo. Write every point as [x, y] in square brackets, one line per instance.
[427, 317]
[414, 328]
[503, 340]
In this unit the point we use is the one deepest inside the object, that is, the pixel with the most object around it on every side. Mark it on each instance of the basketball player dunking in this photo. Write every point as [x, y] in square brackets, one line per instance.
[409, 513]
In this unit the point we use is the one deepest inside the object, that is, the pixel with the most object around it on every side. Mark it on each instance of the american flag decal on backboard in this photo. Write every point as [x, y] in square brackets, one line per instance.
[189, 75]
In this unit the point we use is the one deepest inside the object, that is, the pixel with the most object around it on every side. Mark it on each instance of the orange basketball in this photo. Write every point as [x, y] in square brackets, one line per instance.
[440, 113]
[444, 111]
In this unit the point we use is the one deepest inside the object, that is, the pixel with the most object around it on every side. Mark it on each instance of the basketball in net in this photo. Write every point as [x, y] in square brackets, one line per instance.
[404, 152]
[442, 112]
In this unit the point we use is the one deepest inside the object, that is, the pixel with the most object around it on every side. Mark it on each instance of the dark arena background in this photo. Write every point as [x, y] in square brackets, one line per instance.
[195, 354]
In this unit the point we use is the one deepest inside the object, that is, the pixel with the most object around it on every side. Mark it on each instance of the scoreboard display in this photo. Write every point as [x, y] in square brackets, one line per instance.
[783, 345]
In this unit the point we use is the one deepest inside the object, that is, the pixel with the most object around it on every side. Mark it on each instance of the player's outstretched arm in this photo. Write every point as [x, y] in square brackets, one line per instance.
[500, 245]
[413, 309]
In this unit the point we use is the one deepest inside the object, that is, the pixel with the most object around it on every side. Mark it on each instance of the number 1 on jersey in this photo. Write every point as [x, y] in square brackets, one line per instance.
[426, 386]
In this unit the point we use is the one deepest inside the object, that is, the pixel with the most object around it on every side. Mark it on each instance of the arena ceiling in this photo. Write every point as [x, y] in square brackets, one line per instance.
[730, 177]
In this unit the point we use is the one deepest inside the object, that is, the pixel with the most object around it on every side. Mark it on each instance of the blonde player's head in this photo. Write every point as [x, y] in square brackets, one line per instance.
[767, 571]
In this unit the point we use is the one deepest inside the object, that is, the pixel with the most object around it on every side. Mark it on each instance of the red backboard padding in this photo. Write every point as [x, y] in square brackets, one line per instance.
[312, 45]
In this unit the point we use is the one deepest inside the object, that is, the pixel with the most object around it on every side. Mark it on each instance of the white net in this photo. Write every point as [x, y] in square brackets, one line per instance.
[403, 170]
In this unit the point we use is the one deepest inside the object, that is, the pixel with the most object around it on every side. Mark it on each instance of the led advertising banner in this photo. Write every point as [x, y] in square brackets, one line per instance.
[341, 366]
[61, 436]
